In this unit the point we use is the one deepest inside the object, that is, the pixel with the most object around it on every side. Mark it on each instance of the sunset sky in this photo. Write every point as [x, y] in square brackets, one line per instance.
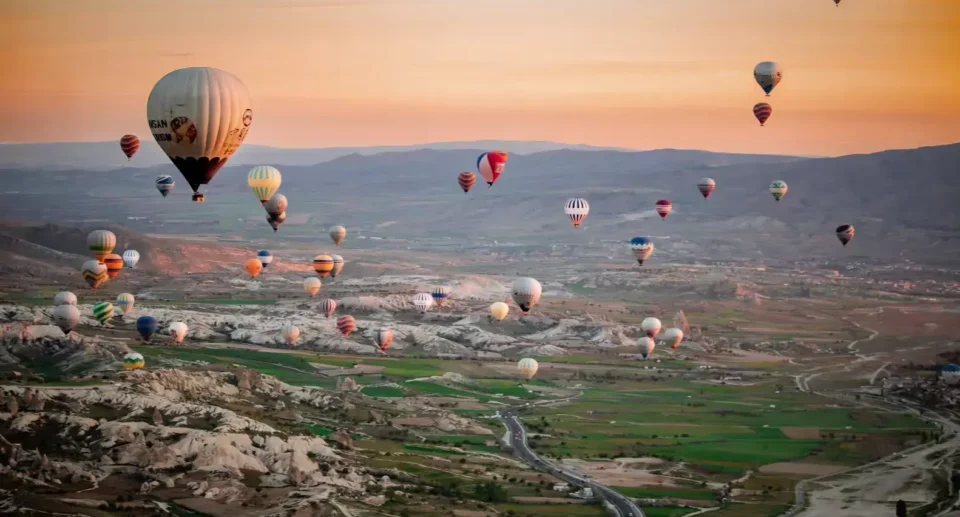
[864, 76]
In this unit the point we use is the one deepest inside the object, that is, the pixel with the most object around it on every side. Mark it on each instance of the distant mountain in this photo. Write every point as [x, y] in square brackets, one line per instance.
[107, 155]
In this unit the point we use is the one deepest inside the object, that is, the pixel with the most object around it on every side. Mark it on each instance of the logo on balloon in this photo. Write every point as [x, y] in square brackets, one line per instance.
[247, 117]
[183, 128]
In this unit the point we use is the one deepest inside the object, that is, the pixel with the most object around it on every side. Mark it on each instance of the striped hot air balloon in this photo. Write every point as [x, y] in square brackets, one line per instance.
[264, 181]
[95, 273]
[290, 334]
[125, 301]
[165, 184]
[440, 295]
[762, 111]
[422, 301]
[323, 265]
[66, 317]
[346, 324]
[778, 189]
[845, 233]
[642, 248]
[131, 258]
[265, 257]
[327, 307]
[337, 265]
[706, 186]
[114, 264]
[528, 367]
[384, 338]
[491, 165]
[129, 144]
[664, 207]
[146, 326]
[466, 180]
[103, 311]
[577, 210]
[133, 361]
[101, 243]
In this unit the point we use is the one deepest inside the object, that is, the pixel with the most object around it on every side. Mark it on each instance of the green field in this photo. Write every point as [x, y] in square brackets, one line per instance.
[382, 391]
[282, 366]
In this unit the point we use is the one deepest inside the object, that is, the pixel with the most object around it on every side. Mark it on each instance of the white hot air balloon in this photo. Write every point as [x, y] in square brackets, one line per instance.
[526, 292]
[528, 367]
[130, 258]
[178, 331]
[646, 345]
[577, 210]
[64, 298]
[199, 117]
[672, 337]
[768, 75]
[290, 334]
[422, 301]
[337, 265]
[125, 302]
[651, 327]
[66, 317]
[312, 285]
[264, 181]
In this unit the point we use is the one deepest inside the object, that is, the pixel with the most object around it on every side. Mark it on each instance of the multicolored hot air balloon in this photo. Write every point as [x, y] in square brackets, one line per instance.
[103, 311]
[146, 326]
[64, 298]
[950, 374]
[768, 75]
[845, 233]
[323, 265]
[528, 367]
[762, 111]
[265, 257]
[337, 265]
[327, 307]
[491, 165]
[422, 301]
[663, 208]
[651, 326]
[129, 144]
[264, 181]
[526, 292]
[165, 184]
[199, 117]
[312, 285]
[337, 233]
[101, 243]
[66, 317]
[276, 209]
[95, 273]
[131, 258]
[440, 295]
[290, 334]
[642, 248]
[778, 189]
[384, 338]
[346, 324]
[114, 264]
[577, 210]
[706, 186]
[466, 180]
[253, 267]
[133, 361]
[276, 221]
[673, 337]
[178, 331]
[125, 302]
[499, 310]
[646, 345]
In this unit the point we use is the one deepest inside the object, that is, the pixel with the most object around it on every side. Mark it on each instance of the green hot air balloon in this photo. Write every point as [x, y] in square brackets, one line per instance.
[103, 311]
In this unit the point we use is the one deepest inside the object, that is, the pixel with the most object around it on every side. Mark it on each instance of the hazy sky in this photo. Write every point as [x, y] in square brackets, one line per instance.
[864, 76]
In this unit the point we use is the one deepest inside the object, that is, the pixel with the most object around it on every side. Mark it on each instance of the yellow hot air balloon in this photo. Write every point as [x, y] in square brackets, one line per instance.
[312, 285]
[264, 182]
[323, 265]
[101, 243]
[253, 266]
[499, 310]
[528, 367]
[337, 233]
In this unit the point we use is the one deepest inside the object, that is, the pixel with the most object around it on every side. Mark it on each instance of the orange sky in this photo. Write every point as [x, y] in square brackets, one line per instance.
[869, 75]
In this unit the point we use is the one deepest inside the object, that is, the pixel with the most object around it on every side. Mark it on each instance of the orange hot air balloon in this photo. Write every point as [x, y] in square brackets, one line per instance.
[762, 111]
[323, 265]
[253, 266]
[384, 338]
[346, 324]
[466, 180]
[114, 264]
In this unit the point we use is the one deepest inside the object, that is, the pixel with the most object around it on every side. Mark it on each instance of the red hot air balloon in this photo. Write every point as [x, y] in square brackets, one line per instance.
[706, 186]
[466, 180]
[114, 264]
[327, 307]
[491, 165]
[346, 324]
[762, 111]
[129, 144]
[663, 208]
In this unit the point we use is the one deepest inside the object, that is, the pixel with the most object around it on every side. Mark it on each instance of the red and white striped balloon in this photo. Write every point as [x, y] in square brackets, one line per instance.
[466, 180]
[664, 208]
[129, 144]
[762, 111]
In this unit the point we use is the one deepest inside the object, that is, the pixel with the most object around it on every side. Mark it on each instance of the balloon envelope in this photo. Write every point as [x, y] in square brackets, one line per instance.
[646, 345]
[528, 367]
[165, 184]
[337, 265]
[466, 181]
[178, 331]
[577, 210]
[125, 302]
[146, 326]
[845, 233]
[778, 189]
[103, 311]
[327, 307]
[311, 285]
[440, 295]
[129, 144]
[101, 243]
[131, 258]
[66, 317]
[642, 248]
[768, 75]
[762, 111]
[673, 337]
[422, 301]
[323, 265]
[526, 292]
[114, 264]
[264, 181]
[663, 207]
[290, 333]
[499, 310]
[384, 338]
[133, 361]
[491, 165]
[337, 233]
[706, 186]
[265, 257]
[95, 273]
[346, 324]
[253, 267]
[651, 326]
[64, 298]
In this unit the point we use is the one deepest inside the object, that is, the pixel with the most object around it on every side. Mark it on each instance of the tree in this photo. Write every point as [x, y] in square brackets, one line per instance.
[901, 508]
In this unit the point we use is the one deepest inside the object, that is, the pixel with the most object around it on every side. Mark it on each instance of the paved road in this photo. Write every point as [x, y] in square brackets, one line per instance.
[620, 503]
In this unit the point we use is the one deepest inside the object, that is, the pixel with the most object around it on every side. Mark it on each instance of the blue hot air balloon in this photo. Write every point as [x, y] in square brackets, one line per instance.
[146, 326]
[165, 184]
[642, 248]
[265, 257]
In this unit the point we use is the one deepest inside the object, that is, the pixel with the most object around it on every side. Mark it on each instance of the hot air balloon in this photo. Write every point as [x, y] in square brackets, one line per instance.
[311, 285]
[337, 233]
[125, 302]
[768, 75]
[337, 265]
[264, 181]
[762, 111]
[323, 265]
[778, 189]
[528, 367]
[129, 145]
[146, 326]
[165, 184]
[663, 208]
[131, 258]
[526, 292]
[101, 243]
[66, 317]
[64, 298]
[651, 326]
[577, 210]
[133, 361]
[491, 165]
[499, 310]
[346, 324]
[706, 186]
[845, 233]
[327, 307]
[276, 221]
[290, 334]
[646, 345]
[673, 337]
[837, 2]
[199, 117]
[178, 330]
[950, 374]
[265, 257]
[95, 273]
[642, 248]
[440, 295]
[466, 181]
[422, 301]
[384, 338]
[103, 311]
[114, 264]
[253, 267]
[276, 210]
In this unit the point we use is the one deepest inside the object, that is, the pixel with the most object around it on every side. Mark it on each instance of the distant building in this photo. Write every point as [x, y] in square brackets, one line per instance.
[584, 493]
[561, 487]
